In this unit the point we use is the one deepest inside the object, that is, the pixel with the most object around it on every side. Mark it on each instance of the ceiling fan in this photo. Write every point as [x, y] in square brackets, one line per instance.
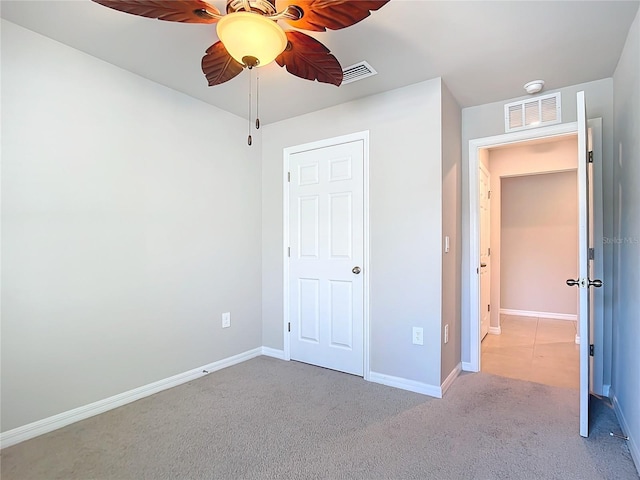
[251, 37]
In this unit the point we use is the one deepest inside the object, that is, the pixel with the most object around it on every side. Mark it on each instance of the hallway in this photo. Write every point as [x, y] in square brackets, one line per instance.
[540, 350]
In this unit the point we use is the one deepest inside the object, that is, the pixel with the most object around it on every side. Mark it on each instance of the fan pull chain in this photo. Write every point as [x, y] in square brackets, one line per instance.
[249, 139]
[257, 100]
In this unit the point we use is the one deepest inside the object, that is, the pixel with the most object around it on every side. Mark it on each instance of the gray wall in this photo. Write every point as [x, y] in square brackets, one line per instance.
[539, 239]
[488, 120]
[405, 221]
[130, 222]
[451, 218]
[626, 237]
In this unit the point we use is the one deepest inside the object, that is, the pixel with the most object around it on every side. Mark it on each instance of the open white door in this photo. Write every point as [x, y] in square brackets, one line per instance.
[583, 263]
[583, 282]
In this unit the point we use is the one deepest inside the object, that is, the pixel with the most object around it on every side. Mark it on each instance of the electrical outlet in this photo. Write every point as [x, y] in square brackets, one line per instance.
[446, 333]
[226, 320]
[417, 336]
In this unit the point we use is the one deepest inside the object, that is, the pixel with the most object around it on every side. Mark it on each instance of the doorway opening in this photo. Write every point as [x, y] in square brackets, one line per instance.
[528, 248]
[473, 328]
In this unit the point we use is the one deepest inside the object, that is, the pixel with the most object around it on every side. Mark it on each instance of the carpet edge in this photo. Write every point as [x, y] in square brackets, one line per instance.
[273, 353]
[406, 384]
[633, 446]
[49, 424]
[451, 378]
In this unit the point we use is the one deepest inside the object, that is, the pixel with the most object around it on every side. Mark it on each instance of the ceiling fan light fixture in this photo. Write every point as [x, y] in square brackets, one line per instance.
[250, 38]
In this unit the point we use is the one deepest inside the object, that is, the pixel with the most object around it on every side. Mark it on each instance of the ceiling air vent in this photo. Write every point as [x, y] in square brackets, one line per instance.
[532, 113]
[357, 72]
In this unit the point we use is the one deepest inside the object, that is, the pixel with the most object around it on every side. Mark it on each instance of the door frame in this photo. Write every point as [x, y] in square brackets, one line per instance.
[366, 268]
[473, 307]
[488, 173]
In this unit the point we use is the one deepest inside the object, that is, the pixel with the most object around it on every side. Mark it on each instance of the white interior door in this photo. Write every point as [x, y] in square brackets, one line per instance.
[583, 282]
[326, 230]
[485, 243]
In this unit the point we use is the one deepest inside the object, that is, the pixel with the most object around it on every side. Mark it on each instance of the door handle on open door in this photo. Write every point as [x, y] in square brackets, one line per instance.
[356, 270]
[483, 265]
[591, 283]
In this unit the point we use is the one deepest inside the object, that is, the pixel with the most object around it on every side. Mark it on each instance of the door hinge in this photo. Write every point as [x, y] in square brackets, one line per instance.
[289, 327]
[489, 195]
[590, 157]
[288, 176]
[591, 350]
[592, 254]
[488, 307]
[489, 252]
[289, 251]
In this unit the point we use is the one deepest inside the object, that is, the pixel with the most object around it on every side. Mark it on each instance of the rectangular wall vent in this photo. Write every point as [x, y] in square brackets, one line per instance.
[357, 72]
[532, 113]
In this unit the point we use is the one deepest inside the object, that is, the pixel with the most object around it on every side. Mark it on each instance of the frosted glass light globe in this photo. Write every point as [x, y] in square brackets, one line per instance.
[250, 37]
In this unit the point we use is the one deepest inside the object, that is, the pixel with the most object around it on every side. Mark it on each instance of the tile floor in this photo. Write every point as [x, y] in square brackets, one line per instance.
[538, 350]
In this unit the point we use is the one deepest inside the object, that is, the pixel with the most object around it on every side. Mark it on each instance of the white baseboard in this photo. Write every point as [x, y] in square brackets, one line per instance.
[406, 384]
[495, 330]
[46, 425]
[631, 443]
[272, 352]
[467, 367]
[450, 378]
[528, 313]
[606, 389]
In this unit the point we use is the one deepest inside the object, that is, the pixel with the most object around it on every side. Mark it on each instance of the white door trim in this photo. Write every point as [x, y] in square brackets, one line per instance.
[366, 268]
[486, 171]
[597, 367]
[474, 218]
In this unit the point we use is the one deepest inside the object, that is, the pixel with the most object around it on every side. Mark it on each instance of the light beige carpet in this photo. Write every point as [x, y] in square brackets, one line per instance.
[270, 419]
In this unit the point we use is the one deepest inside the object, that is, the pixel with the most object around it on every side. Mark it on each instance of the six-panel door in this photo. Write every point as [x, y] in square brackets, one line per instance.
[326, 239]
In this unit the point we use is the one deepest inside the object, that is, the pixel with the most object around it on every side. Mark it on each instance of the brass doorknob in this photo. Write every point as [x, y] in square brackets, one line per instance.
[356, 270]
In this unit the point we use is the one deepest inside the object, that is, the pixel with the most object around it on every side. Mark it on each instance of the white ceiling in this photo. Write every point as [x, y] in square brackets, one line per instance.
[485, 51]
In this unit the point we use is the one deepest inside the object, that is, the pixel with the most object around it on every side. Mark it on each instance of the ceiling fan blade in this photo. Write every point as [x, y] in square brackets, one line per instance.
[218, 66]
[188, 11]
[318, 15]
[307, 58]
